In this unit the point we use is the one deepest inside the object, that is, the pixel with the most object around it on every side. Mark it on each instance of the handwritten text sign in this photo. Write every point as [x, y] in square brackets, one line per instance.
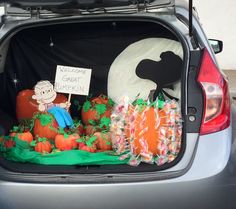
[72, 80]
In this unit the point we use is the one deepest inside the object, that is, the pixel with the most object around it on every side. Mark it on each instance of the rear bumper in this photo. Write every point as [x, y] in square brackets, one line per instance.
[207, 184]
[195, 194]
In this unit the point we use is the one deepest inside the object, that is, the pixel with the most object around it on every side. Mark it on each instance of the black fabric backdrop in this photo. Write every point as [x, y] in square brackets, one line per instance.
[31, 57]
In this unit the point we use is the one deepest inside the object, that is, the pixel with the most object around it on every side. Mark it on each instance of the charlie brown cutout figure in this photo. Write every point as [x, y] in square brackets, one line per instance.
[45, 95]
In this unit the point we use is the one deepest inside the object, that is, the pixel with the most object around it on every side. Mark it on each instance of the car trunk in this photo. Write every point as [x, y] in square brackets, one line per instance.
[114, 50]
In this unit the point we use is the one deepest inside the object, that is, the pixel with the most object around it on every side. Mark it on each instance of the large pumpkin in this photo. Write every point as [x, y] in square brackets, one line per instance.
[45, 126]
[26, 106]
[96, 108]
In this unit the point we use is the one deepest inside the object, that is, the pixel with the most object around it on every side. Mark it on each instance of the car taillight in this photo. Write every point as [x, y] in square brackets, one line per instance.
[216, 115]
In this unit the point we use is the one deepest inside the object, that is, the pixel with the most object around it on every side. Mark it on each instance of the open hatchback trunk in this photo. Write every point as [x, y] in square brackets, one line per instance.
[129, 122]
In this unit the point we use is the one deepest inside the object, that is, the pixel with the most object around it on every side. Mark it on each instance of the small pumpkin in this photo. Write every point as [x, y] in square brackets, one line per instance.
[45, 126]
[87, 143]
[88, 148]
[9, 143]
[78, 128]
[90, 129]
[96, 108]
[81, 144]
[42, 145]
[66, 141]
[103, 142]
[1, 139]
[25, 136]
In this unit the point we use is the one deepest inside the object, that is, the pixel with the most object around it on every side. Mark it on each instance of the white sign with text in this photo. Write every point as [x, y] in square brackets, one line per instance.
[72, 80]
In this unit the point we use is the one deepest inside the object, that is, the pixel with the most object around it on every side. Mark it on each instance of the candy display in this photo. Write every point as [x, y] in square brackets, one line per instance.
[88, 101]
[126, 132]
[146, 132]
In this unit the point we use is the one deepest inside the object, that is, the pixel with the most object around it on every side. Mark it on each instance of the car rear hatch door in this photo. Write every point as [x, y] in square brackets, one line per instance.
[80, 5]
[91, 6]
[86, 3]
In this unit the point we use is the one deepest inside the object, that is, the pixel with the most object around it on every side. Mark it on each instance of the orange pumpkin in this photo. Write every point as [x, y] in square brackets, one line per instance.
[66, 142]
[88, 148]
[87, 143]
[93, 115]
[1, 139]
[45, 126]
[26, 106]
[25, 136]
[43, 147]
[145, 132]
[9, 143]
[103, 142]
[95, 109]
[90, 130]
[140, 132]
[80, 130]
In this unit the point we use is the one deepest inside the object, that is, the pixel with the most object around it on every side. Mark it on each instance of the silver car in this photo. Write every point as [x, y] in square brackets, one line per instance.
[203, 174]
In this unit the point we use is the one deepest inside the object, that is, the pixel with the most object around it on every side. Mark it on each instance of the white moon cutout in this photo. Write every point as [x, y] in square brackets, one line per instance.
[122, 79]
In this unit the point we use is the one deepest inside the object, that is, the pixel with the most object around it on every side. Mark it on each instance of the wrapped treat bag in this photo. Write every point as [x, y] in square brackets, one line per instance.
[146, 132]
[119, 127]
[170, 133]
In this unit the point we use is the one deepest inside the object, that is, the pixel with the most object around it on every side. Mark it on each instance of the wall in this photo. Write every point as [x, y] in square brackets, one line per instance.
[218, 18]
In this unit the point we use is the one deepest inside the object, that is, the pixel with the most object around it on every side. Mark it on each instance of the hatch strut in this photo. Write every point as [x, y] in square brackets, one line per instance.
[190, 18]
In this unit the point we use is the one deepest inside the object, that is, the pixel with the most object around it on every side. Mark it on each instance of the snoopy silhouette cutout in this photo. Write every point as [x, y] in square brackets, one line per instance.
[164, 73]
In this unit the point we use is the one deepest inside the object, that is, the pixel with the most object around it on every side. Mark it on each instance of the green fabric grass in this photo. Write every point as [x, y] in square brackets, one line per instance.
[23, 153]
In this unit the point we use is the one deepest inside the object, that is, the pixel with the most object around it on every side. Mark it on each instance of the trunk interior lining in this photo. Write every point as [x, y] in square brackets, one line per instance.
[31, 58]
